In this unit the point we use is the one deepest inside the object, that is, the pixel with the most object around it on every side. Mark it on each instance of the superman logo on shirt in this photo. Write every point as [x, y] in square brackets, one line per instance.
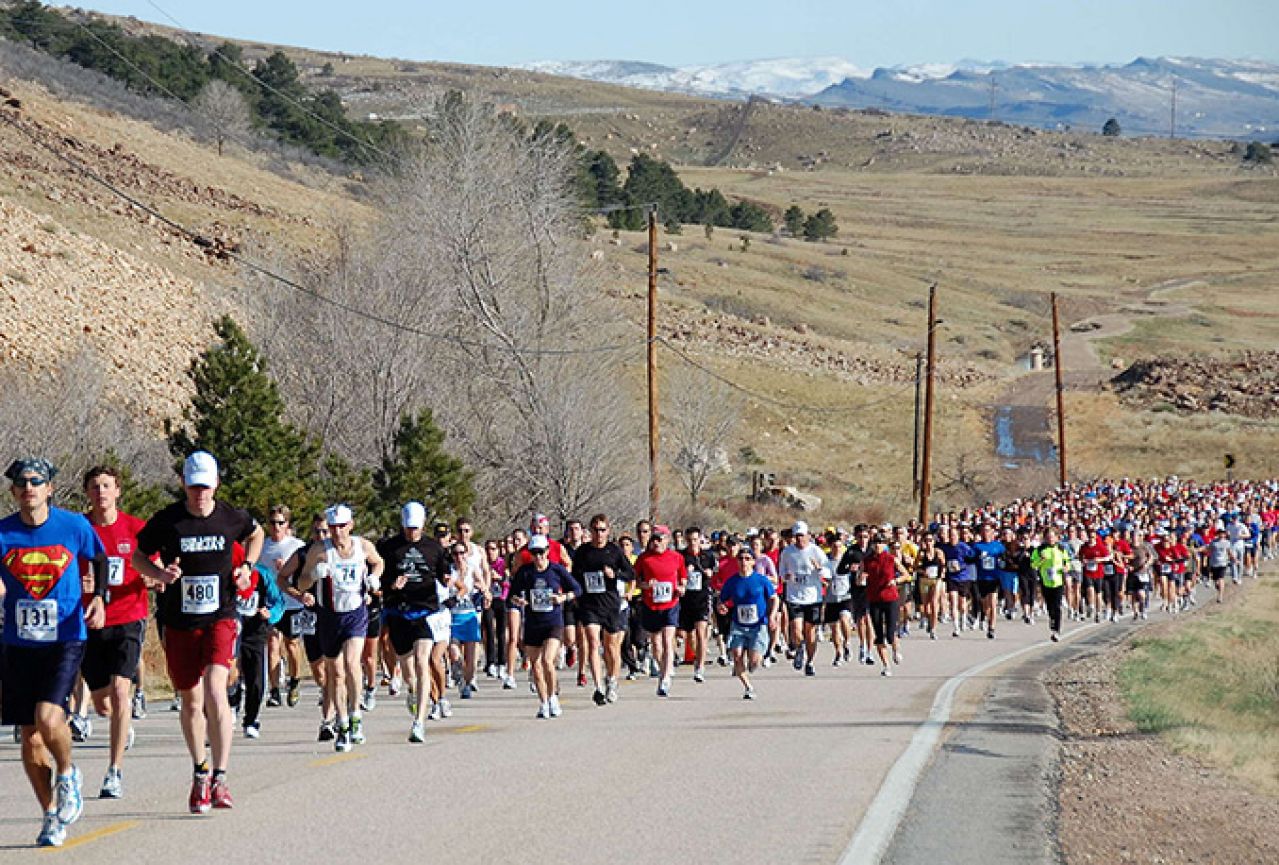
[38, 569]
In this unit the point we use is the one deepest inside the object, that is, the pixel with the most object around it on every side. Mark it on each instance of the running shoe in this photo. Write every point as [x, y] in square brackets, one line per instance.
[722, 660]
[543, 711]
[201, 798]
[581, 679]
[990, 634]
[809, 671]
[410, 702]
[434, 714]
[508, 682]
[838, 659]
[799, 658]
[220, 794]
[466, 691]
[699, 675]
[446, 708]
[291, 698]
[897, 657]
[368, 700]
[417, 733]
[129, 739]
[554, 704]
[664, 687]
[342, 743]
[81, 728]
[393, 688]
[749, 694]
[176, 705]
[491, 671]
[273, 700]
[112, 785]
[52, 832]
[326, 732]
[357, 730]
[610, 690]
[139, 706]
[1054, 637]
[69, 804]
[870, 660]
[632, 675]
[252, 731]
[599, 698]
[886, 672]
[570, 657]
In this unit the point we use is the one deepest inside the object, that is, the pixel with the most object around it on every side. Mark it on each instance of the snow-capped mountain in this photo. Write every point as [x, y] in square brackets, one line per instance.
[786, 78]
[1215, 98]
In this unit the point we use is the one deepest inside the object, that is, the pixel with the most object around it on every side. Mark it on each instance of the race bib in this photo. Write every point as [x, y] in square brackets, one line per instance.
[465, 604]
[694, 581]
[1108, 569]
[931, 572]
[1143, 578]
[247, 607]
[304, 623]
[953, 567]
[346, 577]
[594, 582]
[37, 621]
[1054, 576]
[199, 594]
[987, 563]
[747, 614]
[541, 601]
[1165, 569]
[840, 586]
[663, 592]
[115, 571]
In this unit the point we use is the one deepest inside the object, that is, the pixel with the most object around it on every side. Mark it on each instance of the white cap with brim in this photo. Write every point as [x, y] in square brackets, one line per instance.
[338, 515]
[200, 470]
[413, 515]
[800, 528]
[538, 542]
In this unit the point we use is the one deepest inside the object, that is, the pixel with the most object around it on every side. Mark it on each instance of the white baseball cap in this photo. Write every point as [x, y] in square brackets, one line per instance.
[413, 515]
[338, 515]
[800, 528]
[538, 542]
[200, 470]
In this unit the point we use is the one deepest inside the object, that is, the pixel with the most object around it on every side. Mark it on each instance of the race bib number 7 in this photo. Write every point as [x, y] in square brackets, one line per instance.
[199, 594]
[115, 571]
[37, 621]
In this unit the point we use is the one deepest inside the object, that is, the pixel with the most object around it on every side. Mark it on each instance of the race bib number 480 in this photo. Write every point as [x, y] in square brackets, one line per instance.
[37, 621]
[199, 594]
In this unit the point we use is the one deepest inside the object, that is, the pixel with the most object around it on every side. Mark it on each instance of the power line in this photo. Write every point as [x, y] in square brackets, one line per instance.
[204, 243]
[287, 98]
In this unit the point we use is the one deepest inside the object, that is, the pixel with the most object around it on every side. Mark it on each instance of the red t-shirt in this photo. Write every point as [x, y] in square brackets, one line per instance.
[881, 578]
[727, 568]
[665, 573]
[1092, 554]
[1123, 551]
[558, 555]
[126, 592]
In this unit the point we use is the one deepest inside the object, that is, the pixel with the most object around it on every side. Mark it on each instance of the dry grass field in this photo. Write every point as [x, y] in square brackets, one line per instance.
[821, 335]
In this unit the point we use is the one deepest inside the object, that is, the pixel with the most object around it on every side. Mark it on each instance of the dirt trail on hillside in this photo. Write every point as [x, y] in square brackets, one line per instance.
[1023, 424]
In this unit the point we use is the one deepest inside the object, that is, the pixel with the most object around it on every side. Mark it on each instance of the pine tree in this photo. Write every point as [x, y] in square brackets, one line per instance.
[820, 225]
[420, 469]
[794, 220]
[237, 414]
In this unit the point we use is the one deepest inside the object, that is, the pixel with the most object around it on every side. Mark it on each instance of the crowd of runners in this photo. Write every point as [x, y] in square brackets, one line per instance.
[245, 613]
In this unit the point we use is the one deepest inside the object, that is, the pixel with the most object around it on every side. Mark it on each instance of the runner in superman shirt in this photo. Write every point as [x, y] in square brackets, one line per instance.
[194, 539]
[43, 552]
[112, 653]
[661, 574]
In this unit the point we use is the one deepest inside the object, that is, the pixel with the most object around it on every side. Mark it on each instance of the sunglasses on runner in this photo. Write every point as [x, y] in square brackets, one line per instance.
[29, 482]
[279, 522]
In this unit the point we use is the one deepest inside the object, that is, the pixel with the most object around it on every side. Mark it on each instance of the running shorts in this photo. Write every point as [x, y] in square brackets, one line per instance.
[187, 653]
[837, 609]
[607, 615]
[811, 614]
[405, 633]
[570, 613]
[537, 636]
[334, 629]
[466, 628]
[39, 674]
[112, 651]
[694, 607]
[655, 620]
[1008, 582]
[753, 639]
[986, 588]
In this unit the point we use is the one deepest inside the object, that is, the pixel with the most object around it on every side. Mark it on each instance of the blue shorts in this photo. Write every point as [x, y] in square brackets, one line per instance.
[655, 620]
[466, 628]
[334, 629]
[753, 639]
[1008, 582]
[42, 674]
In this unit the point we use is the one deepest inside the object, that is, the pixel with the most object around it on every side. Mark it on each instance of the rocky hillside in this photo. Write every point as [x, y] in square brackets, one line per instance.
[1246, 384]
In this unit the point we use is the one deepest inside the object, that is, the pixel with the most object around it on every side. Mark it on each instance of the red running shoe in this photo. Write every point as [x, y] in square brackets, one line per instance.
[222, 795]
[200, 799]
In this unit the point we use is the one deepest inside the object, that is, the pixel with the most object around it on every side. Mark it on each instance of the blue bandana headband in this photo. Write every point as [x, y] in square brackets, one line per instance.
[37, 466]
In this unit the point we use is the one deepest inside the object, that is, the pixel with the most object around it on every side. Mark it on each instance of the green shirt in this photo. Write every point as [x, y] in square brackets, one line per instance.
[1050, 561]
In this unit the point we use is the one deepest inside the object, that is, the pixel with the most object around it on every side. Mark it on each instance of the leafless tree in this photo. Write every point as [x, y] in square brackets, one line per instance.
[700, 417]
[226, 110]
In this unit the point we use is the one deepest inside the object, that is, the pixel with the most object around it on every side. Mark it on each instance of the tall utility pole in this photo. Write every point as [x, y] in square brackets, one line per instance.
[925, 473]
[1061, 406]
[993, 87]
[1172, 120]
[919, 407]
[652, 364]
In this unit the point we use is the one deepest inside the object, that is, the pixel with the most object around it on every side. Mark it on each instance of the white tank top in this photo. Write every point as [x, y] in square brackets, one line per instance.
[345, 579]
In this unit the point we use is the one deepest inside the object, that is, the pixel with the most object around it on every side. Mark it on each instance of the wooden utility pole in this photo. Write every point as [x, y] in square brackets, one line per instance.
[919, 407]
[1061, 407]
[925, 472]
[652, 364]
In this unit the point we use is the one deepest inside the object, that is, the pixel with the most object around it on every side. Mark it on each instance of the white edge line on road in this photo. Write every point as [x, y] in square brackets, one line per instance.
[879, 824]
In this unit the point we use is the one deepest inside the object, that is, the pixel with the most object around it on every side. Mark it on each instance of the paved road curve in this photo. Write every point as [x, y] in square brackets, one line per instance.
[702, 776]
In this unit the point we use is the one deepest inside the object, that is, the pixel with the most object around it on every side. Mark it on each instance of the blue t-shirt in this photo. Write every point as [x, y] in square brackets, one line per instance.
[959, 558]
[743, 593]
[40, 568]
[990, 559]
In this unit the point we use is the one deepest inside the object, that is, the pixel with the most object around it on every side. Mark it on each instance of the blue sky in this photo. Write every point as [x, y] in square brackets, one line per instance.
[682, 32]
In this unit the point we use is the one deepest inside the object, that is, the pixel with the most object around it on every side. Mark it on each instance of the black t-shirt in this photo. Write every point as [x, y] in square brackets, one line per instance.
[589, 562]
[202, 548]
[849, 563]
[701, 568]
[424, 564]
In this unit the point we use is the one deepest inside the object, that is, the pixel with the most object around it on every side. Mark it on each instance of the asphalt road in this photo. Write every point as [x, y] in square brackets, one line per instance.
[701, 776]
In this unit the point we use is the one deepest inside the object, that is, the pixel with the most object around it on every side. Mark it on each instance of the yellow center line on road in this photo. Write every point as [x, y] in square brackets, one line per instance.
[95, 835]
[469, 728]
[337, 758]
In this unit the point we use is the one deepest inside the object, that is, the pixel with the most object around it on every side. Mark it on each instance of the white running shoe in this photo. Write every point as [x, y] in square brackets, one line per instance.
[554, 705]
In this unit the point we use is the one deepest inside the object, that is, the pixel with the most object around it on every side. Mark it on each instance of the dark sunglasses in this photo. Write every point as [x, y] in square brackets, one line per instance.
[279, 522]
[30, 482]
